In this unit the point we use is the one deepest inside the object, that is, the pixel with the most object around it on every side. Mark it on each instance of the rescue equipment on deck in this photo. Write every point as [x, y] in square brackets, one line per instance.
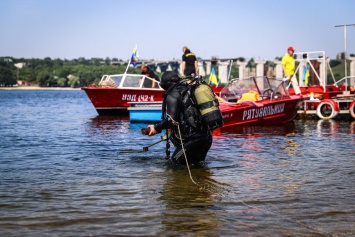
[327, 109]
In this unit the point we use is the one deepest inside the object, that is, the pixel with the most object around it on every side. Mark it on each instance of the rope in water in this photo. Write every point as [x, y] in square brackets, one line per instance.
[183, 149]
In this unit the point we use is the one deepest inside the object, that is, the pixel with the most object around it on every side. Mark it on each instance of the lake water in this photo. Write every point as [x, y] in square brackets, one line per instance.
[64, 173]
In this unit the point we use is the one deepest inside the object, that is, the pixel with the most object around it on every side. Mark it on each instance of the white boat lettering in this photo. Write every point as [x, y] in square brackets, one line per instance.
[227, 115]
[129, 97]
[263, 112]
[143, 98]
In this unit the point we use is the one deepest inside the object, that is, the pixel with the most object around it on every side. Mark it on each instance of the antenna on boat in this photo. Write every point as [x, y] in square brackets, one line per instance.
[346, 67]
[230, 69]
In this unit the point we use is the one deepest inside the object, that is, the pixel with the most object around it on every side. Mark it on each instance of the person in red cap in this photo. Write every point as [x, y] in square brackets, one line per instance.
[288, 65]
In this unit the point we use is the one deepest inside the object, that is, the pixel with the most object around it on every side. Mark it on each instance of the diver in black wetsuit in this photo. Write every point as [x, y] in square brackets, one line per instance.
[196, 136]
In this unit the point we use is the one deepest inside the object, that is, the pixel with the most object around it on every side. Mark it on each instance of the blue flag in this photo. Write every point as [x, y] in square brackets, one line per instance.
[134, 57]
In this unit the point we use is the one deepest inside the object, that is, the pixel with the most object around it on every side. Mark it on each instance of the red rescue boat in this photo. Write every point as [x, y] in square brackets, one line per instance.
[257, 101]
[114, 92]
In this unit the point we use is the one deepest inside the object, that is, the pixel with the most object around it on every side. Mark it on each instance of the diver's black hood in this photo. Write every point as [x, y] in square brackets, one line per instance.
[168, 79]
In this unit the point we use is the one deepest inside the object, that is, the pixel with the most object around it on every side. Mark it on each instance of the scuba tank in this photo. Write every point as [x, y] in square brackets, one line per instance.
[208, 105]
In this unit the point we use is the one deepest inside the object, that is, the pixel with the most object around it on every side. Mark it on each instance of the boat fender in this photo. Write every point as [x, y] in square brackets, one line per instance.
[333, 106]
[352, 109]
[208, 106]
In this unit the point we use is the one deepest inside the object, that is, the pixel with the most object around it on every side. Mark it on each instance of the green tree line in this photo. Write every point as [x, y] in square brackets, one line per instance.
[79, 72]
[49, 72]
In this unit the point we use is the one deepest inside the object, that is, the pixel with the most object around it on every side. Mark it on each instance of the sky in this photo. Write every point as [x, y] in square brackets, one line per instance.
[259, 29]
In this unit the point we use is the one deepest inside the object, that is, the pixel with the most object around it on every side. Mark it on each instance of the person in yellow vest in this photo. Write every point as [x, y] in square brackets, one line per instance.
[288, 63]
[288, 66]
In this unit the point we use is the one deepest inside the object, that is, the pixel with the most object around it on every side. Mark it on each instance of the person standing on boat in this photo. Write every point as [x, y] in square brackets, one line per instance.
[288, 63]
[149, 73]
[288, 66]
[189, 64]
[188, 132]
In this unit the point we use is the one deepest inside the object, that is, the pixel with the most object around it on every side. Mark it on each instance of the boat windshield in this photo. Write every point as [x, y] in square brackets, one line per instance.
[116, 79]
[131, 81]
[128, 81]
[253, 89]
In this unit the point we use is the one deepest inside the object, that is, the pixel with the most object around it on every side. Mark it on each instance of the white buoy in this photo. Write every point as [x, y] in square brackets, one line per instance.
[311, 96]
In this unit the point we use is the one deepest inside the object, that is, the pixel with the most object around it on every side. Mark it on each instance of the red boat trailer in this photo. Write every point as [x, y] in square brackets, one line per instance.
[321, 100]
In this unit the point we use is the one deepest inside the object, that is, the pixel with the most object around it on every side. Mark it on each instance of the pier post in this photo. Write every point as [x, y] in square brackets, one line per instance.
[223, 71]
[260, 73]
[323, 70]
[180, 67]
[278, 69]
[260, 68]
[201, 69]
[242, 66]
[208, 68]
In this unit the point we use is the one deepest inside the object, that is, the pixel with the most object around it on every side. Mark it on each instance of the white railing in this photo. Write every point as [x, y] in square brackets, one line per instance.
[126, 81]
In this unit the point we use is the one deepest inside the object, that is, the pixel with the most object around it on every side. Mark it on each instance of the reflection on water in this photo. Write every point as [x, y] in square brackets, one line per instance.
[352, 127]
[196, 203]
[255, 131]
[62, 174]
[107, 124]
[327, 128]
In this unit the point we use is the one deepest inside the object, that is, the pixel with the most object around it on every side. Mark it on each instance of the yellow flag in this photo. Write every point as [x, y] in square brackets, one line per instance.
[213, 77]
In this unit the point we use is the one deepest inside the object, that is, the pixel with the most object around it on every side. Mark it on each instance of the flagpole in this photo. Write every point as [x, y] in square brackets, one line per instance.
[346, 69]
[129, 62]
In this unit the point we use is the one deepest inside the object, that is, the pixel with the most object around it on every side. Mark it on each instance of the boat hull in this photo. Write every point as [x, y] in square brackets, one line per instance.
[112, 101]
[115, 101]
[260, 113]
[145, 111]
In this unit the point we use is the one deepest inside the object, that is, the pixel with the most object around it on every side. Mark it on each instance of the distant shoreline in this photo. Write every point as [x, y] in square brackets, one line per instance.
[37, 88]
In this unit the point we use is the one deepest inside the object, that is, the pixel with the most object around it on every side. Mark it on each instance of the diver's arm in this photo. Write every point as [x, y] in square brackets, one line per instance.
[172, 105]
